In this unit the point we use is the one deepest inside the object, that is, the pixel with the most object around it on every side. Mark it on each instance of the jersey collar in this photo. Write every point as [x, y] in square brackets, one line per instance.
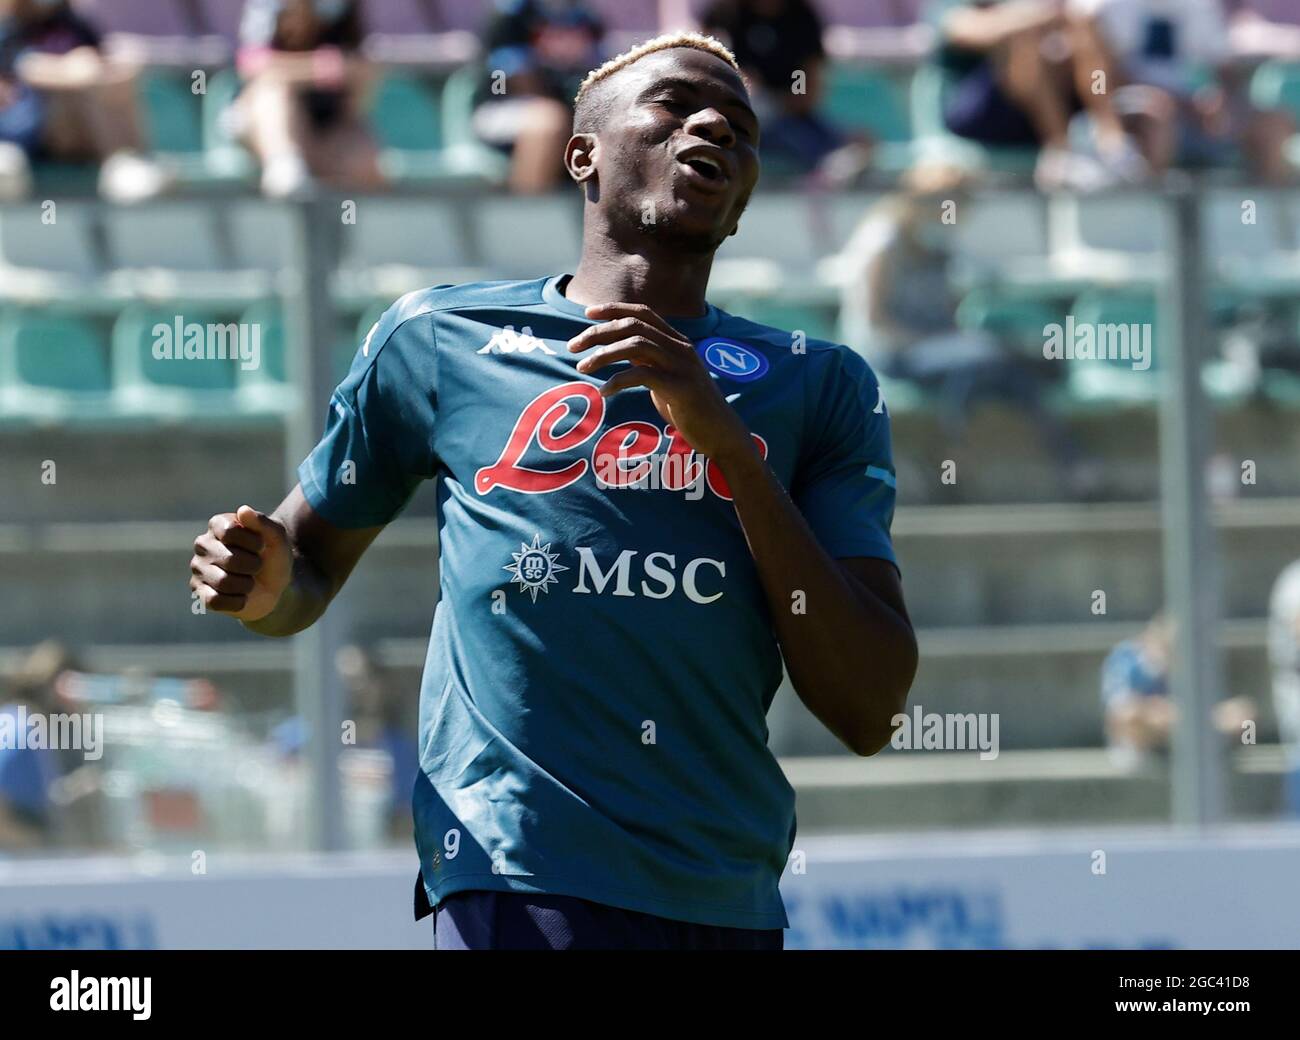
[691, 328]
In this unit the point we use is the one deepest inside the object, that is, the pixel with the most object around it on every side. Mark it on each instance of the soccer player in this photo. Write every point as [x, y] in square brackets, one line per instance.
[644, 504]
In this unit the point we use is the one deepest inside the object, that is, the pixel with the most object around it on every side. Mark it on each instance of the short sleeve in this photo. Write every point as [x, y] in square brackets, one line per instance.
[845, 483]
[378, 440]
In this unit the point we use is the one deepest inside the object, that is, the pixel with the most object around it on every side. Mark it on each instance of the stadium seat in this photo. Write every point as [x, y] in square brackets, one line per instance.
[397, 245]
[177, 250]
[172, 114]
[52, 366]
[48, 250]
[260, 234]
[407, 121]
[167, 387]
[1016, 318]
[865, 100]
[528, 237]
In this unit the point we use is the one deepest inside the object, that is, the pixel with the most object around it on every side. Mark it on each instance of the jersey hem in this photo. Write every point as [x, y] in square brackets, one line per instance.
[693, 913]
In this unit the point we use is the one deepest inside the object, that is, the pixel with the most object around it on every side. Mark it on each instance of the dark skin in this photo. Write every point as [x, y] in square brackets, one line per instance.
[851, 653]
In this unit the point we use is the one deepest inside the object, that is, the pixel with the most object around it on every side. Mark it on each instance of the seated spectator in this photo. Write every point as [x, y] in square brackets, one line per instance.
[1284, 658]
[778, 44]
[1171, 96]
[302, 106]
[62, 99]
[1140, 714]
[912, 317]
[1012, 82]
[28, 775]
[538, 52]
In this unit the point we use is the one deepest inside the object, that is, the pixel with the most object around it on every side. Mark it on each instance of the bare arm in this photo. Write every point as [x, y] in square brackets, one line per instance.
[850, 649]
[276, 573]
[983, 29]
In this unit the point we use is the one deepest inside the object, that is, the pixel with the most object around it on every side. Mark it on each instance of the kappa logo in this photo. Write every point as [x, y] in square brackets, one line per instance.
[535, 568]
[508, 341]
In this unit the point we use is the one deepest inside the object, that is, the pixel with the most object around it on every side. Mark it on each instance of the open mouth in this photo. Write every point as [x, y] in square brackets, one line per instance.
[707, 170]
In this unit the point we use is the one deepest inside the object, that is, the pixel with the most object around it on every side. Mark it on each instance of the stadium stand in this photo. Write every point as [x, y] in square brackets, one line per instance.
[998, 572]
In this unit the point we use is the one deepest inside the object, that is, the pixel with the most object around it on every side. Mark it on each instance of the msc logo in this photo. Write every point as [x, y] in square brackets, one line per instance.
[508, 341]
[534, 570]
[732, 360]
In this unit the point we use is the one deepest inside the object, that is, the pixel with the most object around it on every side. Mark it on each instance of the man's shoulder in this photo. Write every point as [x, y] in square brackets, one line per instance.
[400, 320]
[788, 351]
[469, 295]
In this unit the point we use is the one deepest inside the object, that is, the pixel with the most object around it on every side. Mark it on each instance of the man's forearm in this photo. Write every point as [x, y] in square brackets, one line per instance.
[850, 655]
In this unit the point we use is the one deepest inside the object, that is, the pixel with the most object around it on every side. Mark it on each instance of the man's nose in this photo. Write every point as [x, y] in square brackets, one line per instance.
[713, 126]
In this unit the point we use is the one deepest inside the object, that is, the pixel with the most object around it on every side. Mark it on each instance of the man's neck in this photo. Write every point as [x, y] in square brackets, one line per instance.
[609, 272]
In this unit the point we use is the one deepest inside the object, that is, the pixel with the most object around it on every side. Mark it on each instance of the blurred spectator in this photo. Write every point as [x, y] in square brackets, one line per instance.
[302, 106]
[1012, 82]
[538, 52]
[62, 99]
[383, 724]
[28, 775]
[1171, 96]
[912, 315]
[1284, 657]
[1140, 714]
[1255, 38]
[778, 44]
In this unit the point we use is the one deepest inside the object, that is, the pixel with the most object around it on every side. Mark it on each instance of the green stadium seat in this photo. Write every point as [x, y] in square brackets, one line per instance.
[865, 100]
[265, 389]
[1017, 318]
[1116, 382]
[52, 366]
[406, 114]
[58, 241]
[1276, 84]
[172, 113]
[166, 386]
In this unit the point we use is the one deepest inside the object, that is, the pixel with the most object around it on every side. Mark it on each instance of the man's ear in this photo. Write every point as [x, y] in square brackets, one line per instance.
[581, 155]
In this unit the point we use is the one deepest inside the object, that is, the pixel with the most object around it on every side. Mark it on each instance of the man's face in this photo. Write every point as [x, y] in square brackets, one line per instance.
[679, 148]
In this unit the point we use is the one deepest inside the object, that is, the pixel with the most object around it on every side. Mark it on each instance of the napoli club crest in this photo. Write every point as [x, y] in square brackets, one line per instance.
[535, 568]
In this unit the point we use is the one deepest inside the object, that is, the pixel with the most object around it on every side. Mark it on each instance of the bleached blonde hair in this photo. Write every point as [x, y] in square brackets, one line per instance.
[697, 41]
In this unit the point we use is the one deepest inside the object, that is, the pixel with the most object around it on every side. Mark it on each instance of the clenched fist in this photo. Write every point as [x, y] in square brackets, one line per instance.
[241, 564]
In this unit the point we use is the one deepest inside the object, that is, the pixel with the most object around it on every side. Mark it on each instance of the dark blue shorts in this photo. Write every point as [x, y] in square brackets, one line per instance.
[524, 921]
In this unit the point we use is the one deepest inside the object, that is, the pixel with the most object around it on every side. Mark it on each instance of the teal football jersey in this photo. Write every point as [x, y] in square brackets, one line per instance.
[593, 709]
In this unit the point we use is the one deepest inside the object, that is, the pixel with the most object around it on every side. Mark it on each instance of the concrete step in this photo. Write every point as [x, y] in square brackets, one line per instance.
[920, 790]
